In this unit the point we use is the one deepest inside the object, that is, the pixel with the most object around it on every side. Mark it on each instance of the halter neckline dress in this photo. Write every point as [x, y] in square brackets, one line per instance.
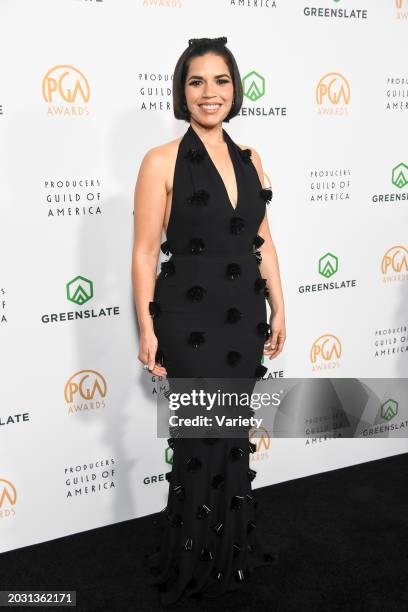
[210, 319]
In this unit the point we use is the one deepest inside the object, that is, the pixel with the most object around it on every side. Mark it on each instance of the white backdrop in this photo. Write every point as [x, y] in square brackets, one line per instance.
[85, 91]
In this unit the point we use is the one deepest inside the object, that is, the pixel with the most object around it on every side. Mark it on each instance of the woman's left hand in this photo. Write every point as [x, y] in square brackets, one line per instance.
[274, 345]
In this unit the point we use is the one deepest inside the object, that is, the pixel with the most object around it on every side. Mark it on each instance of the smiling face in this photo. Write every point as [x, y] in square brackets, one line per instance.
[209, 89]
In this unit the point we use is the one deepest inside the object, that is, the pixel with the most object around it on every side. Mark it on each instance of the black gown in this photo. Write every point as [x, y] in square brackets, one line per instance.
[210, 319]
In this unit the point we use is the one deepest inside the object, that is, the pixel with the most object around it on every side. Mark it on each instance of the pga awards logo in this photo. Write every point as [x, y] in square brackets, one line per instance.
[85, 391]
[66, 90]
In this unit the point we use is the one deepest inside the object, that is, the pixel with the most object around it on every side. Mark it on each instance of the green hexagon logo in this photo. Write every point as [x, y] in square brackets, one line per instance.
[328, 265]
[168, 455]
[253, 85]
[389, 409]
[79, 290]
[400, 175]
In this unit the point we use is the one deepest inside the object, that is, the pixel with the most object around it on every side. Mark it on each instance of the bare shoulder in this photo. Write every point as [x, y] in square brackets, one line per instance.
[256, 159]
[160, 161]
[254, 153]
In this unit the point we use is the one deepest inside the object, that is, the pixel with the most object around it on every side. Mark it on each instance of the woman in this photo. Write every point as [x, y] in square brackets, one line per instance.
[205, 315]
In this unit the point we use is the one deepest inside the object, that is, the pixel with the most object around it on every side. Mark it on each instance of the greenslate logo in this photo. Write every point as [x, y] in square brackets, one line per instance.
[168, 455]
[79, 290]
[253, 85]
[400, 175]
[389, 409]
[328, 265]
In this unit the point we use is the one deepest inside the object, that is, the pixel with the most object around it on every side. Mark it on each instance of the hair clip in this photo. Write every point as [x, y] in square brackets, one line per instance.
[196, 42]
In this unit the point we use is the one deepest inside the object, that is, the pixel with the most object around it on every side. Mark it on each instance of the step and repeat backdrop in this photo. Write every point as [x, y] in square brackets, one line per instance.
[85, 91]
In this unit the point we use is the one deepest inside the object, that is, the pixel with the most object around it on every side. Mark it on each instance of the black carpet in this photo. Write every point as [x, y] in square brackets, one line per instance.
[342, 538]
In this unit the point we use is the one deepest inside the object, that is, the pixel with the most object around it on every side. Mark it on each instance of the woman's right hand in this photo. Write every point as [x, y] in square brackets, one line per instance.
[147, 353]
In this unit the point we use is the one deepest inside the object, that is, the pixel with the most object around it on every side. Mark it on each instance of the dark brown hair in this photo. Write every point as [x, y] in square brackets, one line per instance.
[199, 47]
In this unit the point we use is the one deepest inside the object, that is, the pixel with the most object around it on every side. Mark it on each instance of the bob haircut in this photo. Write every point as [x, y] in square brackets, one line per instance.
[198, 47]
